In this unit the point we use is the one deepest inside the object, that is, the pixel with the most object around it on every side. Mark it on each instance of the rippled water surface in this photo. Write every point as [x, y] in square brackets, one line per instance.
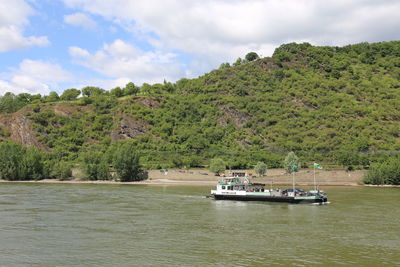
[126, 225]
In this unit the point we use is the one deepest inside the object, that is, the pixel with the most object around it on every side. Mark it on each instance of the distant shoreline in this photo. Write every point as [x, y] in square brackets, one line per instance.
[202, 177]
[163, 182]
[144, 182]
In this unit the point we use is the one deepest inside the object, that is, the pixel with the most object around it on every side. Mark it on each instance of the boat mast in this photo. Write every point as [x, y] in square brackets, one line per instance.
[294, 168]
[315, 184]
[293, 185]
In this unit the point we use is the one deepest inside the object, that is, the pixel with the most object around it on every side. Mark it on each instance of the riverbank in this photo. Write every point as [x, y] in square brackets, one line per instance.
[201, 177]
[112, 182]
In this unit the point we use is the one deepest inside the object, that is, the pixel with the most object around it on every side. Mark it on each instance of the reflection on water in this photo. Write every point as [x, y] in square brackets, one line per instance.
[123, 225]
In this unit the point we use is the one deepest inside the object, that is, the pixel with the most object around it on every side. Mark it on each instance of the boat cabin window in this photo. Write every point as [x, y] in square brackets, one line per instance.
[223, 187]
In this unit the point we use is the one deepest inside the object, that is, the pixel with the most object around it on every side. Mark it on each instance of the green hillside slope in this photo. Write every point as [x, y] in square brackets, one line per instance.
[339, 105]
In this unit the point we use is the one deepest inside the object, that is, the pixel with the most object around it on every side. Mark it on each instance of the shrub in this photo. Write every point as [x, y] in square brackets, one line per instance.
[291, 162]
[95, 166]
[19, 163]
[61, 170]
[126, 163]
[261, 168]
[217, 165]
[387, 172]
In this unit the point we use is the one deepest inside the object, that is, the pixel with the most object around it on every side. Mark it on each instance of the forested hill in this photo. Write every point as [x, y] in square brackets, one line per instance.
[338, 105]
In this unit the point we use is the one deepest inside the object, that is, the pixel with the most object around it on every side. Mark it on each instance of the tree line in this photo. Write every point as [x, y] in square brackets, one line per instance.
[18, 163]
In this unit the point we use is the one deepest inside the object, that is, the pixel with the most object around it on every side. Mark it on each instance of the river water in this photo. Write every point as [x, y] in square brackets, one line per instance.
[130, 225]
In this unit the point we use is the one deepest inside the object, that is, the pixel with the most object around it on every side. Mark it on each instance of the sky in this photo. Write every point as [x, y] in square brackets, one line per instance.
[53, 45]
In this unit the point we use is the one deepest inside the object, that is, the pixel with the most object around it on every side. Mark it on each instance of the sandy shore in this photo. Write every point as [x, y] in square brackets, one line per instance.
[206, 178]
[146, 182]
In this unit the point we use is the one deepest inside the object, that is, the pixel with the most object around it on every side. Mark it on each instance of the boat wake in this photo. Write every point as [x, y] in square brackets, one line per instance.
[321, 203]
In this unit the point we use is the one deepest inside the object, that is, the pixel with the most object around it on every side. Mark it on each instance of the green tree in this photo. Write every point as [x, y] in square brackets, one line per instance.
[168, 87]
[117, 92]
[126, 163]
[10, 103]
[91, 91]
[224, 65]
[238, 62]
[291, 163]
[70, 94]
[11, 155]
[261, 168]
[52, 97]
[61, 170]
[131, 89]
[147, 89]
[19, 163]
[96, 166]
[217, 165]
[33, 165]
[196, 143]
[251, 56]
[28, 98]
[386, 172]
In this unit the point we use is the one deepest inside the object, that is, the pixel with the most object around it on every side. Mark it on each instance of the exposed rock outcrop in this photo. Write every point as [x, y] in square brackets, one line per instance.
[236, 117]
[129, 128]
[20, 128]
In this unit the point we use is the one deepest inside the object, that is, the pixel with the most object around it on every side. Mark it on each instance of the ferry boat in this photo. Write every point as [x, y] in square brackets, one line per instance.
[240, 188]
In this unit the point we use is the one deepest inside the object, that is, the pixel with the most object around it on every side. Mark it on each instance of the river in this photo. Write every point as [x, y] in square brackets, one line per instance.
[136, 225]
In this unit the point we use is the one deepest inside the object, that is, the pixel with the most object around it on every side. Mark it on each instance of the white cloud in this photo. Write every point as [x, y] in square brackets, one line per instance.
[34, 77]
[13, 18]
[80, 19]
[78, 52]
[120, 59]
[102, 83]
[11, 38]
[218, 30]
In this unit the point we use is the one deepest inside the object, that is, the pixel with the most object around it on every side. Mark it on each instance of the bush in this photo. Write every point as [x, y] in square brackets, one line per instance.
[33, 165]
[126, 163]
[217, 165]
[387, 172]
[96, 166]
[252, 56]
[291, 163]
[10, 161]
[62, 170]
[261, 168]
[19, 163]
[70, 94]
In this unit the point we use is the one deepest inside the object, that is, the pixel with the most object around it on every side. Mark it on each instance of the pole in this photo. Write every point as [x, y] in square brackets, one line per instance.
[293, 185]
[315, 184]
[272, 181]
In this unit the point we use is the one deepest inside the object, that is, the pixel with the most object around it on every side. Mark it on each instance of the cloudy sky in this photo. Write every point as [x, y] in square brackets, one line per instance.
[52, 45]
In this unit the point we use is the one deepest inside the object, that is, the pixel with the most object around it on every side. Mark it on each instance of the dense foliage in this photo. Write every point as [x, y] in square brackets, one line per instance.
[96, 166]
[217, 165]
[261, 168]
[387, 172]
[126, 163]
[291, 162]
[335, 105]
[20, 163]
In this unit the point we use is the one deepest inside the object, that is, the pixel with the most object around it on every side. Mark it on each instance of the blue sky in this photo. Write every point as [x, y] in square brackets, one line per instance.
[52, 45]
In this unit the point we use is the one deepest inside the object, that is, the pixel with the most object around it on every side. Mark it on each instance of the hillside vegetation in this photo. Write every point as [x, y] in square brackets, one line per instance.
[335, 105]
